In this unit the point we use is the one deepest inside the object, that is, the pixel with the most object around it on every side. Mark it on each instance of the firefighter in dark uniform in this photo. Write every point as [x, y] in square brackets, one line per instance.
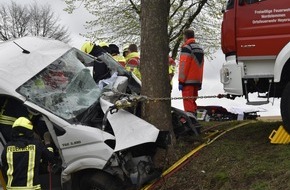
[21, 157]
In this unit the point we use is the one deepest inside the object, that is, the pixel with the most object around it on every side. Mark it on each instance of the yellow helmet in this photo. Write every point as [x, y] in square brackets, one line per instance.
[87, 47]
[23, 122]
[22, 127]
[103, 44]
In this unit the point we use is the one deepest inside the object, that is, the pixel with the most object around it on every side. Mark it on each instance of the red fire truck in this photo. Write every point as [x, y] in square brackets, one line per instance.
[256, 44]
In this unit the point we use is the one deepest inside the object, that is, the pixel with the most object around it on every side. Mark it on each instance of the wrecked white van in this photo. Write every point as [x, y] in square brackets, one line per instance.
[99, 146]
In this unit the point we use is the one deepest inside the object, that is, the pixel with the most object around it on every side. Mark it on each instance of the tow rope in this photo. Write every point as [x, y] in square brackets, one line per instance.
[185, 159]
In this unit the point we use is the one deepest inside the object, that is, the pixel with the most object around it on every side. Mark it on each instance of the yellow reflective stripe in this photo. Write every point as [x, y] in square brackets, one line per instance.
[31, 149]
[6, 122]
[9, 157]
[17, 149]
[36, 187]
[31, 164]
[5, 117]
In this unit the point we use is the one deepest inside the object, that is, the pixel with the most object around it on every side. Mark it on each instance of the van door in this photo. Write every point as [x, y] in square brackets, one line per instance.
[262, 26]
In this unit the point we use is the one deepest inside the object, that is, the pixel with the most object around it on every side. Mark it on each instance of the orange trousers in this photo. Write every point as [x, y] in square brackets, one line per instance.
[190, 104]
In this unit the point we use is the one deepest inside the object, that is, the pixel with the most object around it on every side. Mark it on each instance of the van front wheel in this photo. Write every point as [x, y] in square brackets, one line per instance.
[285, 107]
[100, 181]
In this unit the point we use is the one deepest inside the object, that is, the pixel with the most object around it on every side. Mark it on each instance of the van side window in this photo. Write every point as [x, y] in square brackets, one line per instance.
[230, 4]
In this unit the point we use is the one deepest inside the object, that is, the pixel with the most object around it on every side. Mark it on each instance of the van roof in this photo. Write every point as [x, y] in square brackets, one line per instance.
[17, 67]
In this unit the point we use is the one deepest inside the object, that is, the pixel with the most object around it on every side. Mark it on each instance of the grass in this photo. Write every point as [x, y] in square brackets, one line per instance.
[242, 159]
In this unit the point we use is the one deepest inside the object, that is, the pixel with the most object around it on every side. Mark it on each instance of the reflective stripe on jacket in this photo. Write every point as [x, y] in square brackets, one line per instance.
[21, 160]
[4, 119]
[10, 110]
[191, 63]
[37, 187]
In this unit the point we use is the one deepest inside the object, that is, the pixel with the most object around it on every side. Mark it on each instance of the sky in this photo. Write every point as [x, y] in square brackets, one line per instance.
[211, 84]
[75, 22]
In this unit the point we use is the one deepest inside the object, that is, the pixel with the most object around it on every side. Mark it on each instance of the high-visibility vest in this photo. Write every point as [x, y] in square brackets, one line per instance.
[120, 59]
[171, 69]
[191, 63]
[133, 64]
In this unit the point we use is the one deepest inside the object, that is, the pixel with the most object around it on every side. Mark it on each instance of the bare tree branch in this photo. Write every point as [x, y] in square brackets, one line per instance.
[18, 21]
[185, 26]
[172, 3]
[181, 20]
[177, 9]
[135, 7]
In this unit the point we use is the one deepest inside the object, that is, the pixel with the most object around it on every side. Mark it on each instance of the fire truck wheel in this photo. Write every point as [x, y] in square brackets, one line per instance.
[99, 181]
[285, 107]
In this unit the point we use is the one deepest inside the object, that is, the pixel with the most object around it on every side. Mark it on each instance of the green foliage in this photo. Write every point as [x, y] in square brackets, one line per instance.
[119, 21]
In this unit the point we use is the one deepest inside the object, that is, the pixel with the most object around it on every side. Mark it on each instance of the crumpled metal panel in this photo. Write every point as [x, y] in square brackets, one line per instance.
[129, 129]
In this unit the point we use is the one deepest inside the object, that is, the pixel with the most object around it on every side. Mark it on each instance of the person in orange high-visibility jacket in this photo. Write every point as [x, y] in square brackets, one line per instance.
[190, 70]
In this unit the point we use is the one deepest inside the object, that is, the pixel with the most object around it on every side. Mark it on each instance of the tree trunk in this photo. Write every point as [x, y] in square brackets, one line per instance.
[154, 65]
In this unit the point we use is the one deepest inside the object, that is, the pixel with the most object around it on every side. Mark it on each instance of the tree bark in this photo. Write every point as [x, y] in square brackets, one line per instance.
[154, 65]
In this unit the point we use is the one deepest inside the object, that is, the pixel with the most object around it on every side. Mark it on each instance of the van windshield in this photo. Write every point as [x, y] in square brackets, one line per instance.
[65, 87]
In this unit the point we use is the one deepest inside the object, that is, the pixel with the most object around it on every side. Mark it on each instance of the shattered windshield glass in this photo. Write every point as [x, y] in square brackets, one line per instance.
[65, 88]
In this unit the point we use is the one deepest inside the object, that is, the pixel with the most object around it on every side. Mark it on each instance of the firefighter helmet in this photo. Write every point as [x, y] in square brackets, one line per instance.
[22, 127]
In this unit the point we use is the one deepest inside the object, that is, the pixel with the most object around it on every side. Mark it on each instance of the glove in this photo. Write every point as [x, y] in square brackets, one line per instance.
[180, 87]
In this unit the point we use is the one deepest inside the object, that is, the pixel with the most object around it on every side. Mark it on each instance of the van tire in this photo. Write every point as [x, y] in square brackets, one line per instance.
[285, 107]
[100, 180]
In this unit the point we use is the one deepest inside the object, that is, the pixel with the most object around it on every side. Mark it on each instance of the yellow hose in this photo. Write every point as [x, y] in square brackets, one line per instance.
[191, 153]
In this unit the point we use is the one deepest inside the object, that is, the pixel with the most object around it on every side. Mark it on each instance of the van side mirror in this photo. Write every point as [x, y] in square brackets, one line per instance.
[241, 2]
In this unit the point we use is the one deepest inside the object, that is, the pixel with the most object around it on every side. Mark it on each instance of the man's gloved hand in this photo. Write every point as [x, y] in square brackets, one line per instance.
[180, 87]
